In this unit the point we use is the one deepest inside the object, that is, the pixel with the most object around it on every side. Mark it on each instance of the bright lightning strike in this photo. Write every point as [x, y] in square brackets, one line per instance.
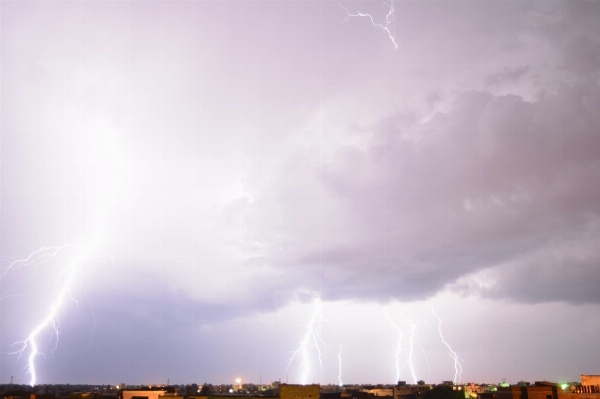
[411, 346]
[50, 319]
[457, 366]
[399, 345]
[312, 340]
[409, 349]
[389, 20]
[65, 277]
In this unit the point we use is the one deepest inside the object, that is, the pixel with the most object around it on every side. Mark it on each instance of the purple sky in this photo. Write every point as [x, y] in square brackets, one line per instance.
[218, 166]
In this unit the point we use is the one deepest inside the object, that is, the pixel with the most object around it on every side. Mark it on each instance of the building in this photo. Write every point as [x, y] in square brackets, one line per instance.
[380, 391]
[404, 391]
[290, 391]
[541, 390]
[549, 390]
[142, 394]
[590, 379]
[148, 392]
[472, 391]
[590, 384]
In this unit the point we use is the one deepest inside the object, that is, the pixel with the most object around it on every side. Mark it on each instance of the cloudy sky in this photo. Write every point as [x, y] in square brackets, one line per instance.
[195, 190]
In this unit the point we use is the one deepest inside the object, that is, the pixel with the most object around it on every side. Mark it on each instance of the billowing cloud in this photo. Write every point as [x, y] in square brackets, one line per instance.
[494, 181]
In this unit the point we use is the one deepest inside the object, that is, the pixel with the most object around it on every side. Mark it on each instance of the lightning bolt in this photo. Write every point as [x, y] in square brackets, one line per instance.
[312, 339]
[340, 367]
[457, 366]
[425, 355]
[411, 346]
[389, 20]
[35, 260]
[50, 319]
[29, 346]
[399, 345]
[42, 253]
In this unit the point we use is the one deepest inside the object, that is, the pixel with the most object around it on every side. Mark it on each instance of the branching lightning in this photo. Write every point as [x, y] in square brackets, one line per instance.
[408, 350]
[65, 277]
[411, 346]
[312, 340]
[389, 20]
[50, 319]
[457, 366]
[40, 255]
[35, 260]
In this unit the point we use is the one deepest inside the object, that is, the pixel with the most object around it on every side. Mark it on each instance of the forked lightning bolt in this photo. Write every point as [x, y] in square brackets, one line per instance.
[30, 341]
[389, 20]
[41, 255]
[66, 277]
[312, 340]
[412, 341]
[411, 346]
[34, 260]
[457, 366]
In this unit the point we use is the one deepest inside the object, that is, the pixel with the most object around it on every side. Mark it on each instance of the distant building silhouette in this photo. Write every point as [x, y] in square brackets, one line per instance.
[290, 391]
